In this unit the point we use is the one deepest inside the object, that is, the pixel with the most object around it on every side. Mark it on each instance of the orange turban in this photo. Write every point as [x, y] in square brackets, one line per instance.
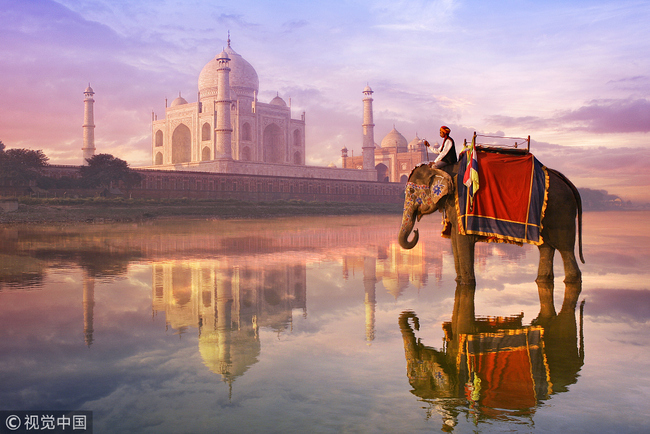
[446, 129]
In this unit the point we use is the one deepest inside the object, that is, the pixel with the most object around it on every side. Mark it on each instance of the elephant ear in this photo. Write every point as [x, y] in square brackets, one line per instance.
[441, 185]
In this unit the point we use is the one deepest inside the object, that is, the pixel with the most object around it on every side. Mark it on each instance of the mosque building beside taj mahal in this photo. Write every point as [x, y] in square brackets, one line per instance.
[228, 130]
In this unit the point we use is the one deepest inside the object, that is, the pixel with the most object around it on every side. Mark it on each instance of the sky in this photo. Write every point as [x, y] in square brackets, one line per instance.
[575, 76]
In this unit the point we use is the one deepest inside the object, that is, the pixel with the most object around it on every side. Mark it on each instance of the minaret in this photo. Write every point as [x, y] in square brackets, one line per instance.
[369, 281]
[224, 302]
[368, 150]
[88, 305]
[89, 125]
[223, 130]
[344, 157]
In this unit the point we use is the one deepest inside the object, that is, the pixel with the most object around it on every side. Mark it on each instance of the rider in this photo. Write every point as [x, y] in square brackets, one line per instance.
[447, 151]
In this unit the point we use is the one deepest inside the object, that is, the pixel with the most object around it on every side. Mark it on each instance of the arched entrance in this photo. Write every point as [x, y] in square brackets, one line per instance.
[246, 132]
[382, 172]
[205, 132]
[273, 144]
[159, 138]
[181, 144]
[296, 138]
[205, 154]
[246, 154]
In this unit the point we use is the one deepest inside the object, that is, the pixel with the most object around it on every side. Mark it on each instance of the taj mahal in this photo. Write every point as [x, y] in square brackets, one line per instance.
[228, 130]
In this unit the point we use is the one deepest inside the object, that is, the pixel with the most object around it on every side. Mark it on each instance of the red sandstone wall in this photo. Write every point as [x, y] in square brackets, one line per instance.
[201, 185]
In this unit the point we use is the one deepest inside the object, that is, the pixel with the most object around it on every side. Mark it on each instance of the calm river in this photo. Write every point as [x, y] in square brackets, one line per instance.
[318, 325]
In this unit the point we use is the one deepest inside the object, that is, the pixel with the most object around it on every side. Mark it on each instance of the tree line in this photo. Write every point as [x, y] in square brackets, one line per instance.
[24, 167]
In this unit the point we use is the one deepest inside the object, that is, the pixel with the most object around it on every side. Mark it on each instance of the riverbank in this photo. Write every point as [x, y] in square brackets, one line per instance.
[103, 210]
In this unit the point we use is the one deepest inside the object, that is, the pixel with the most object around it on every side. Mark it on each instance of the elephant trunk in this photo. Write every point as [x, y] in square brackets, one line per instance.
[408, 221]
[410, 342]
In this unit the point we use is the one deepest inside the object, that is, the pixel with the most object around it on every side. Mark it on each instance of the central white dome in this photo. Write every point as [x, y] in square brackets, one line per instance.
[243, 78]
[395, 140]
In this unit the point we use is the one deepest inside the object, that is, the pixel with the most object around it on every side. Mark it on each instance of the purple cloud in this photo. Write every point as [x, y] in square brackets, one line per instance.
[619, 304]
[611, 116]
[636, 83]
[598, 116]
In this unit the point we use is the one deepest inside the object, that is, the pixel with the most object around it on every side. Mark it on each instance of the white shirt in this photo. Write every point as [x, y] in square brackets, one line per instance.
[446, 146]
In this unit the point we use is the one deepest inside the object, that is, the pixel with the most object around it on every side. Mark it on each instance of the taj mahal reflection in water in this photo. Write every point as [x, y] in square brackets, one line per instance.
[224, 286]
[226, 300]
[227, 304]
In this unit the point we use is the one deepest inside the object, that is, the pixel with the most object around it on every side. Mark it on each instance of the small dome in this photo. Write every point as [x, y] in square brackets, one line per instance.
[178, 101]
[416, 144]
[331, 165]
[278, 101]
[89, 89]
[395, 140]
[223, 55]
[367, 89]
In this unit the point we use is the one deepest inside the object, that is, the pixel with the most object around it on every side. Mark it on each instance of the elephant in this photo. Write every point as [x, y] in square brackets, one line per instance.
[558, 224]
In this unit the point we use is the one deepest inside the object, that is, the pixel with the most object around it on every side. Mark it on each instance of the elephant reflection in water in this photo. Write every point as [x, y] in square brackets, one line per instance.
[495, 368]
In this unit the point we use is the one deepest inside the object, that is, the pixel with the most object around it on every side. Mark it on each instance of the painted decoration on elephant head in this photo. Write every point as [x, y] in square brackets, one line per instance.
[416, 195]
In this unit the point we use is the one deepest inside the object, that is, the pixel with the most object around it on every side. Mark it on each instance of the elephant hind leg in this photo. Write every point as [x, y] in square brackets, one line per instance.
[572, 273]
[545, 270]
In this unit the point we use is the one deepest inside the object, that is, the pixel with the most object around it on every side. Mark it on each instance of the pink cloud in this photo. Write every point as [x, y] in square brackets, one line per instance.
[598, 116]
[611, 116]
[50, 54]
[619, 304]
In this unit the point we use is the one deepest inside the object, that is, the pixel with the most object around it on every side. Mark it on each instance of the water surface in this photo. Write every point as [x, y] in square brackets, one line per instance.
[319, 324]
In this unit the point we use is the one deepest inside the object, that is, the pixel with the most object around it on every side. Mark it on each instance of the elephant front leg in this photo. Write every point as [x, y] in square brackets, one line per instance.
[545, 270]
[463, 246]
[463, 320]
[454, 249]
[546, 302]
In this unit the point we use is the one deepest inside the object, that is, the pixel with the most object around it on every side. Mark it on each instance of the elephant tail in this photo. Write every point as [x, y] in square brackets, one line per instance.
[576, 195]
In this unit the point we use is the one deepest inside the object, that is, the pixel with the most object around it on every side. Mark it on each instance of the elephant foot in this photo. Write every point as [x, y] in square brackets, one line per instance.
[571, 294]
[465, 281]
[568, 306]
[543, 319]
[573, 279]
[545, 278]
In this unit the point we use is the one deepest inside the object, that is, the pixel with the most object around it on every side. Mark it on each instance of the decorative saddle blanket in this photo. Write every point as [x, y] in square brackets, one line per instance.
[510, 201]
